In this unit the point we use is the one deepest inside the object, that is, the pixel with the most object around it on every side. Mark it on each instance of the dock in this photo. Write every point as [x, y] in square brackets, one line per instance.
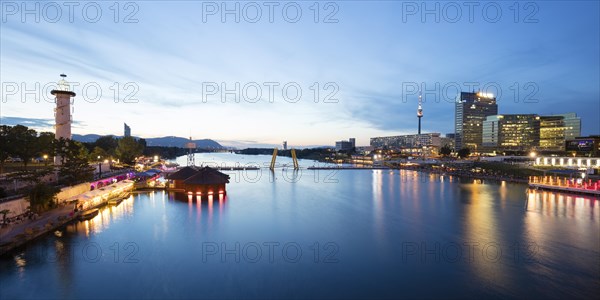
[238, 168]
[568, 185]
[349, 168]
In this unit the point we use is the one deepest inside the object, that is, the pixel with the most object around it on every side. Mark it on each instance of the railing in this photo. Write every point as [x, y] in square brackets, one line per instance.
[563, 182]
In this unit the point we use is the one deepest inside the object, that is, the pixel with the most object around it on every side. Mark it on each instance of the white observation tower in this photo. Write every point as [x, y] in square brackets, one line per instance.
[62, 112]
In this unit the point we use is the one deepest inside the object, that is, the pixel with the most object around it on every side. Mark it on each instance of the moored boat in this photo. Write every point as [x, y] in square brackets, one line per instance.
[86, 215]
[115, 202]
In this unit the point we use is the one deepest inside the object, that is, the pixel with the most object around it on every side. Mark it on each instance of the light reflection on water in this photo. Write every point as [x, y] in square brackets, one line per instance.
[106, 215]
[545, 239]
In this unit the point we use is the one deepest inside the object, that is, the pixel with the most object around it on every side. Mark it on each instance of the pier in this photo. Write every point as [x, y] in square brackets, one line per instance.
[570, 185]
[349, 168]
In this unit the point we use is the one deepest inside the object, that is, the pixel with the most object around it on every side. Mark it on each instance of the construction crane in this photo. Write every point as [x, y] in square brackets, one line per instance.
[294, 159]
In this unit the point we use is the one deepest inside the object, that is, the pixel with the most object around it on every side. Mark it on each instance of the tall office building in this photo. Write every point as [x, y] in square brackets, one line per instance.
[552, 133]
[572, 125]
[345, 145]
[471, 109]
[127, 130]
[519, 132]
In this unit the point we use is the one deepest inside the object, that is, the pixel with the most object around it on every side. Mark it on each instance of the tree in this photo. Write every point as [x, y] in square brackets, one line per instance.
[31, 176]
[42, 197]
[464, 152]
[45, 143]
[7, 145]
[98, 152]
[108, 143]
[128, 149]
[4, 212]
[24, 143]
[74, 166]
[446, 150]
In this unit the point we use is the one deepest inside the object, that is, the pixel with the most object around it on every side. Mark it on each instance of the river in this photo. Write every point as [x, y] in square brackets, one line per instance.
[322, 234]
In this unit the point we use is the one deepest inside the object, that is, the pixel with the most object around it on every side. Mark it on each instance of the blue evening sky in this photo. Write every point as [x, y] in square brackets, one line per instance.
[538, 57]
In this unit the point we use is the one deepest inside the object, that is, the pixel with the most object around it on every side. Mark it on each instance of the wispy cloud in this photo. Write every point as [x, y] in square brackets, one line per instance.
[170, 52]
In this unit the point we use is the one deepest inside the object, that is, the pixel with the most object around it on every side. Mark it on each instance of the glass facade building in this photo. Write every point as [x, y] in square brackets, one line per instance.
[519, 132]
[552, 133]
[572, 125]
[471, 110]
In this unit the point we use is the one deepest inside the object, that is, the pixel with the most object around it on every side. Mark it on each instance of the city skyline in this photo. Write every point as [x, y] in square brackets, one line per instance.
[373, 82]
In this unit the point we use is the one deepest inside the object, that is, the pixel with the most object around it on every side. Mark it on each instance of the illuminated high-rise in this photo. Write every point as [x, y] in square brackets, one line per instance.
[572, 125]
[471, 109]
[552, 133]
[520, 132]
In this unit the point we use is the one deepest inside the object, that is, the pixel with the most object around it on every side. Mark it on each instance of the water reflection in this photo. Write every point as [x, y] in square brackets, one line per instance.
[562, 205]
[199, 207]
[370, 215]
[557, 229]
[20, 263]
[481, 233]
[377, 187]
[106, 215]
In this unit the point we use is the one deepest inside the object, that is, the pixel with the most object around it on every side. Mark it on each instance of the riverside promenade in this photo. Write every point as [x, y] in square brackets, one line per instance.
[19, 234]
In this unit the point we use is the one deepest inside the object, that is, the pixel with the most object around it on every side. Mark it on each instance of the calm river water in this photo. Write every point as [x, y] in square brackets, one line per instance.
[322, 234]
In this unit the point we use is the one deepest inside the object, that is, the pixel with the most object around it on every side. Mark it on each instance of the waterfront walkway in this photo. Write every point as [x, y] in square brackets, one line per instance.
[572, 185]
[9, 234]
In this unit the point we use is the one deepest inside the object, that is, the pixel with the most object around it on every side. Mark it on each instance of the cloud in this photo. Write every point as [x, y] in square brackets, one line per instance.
[39, 124]
[29, 122]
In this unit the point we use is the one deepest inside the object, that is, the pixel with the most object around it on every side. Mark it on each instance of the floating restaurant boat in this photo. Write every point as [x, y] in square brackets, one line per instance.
[89, 214]
[202, 182]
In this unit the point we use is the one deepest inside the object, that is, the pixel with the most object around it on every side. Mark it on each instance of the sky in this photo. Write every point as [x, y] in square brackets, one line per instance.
[258, 73]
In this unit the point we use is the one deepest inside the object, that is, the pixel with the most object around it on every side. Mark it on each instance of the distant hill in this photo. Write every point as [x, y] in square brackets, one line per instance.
[88, 138]
[167, 141]
[175, 141]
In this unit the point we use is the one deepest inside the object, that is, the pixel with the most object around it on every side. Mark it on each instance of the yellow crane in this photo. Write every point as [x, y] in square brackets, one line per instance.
[294, 158]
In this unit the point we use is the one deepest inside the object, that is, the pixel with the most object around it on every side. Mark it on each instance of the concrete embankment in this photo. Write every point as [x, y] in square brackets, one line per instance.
[20, 234]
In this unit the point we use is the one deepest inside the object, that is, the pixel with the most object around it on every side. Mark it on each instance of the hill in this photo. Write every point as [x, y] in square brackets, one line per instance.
[167, 141]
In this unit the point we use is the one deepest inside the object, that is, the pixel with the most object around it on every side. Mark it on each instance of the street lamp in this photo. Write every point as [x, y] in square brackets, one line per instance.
[45, 159]
[99, 167]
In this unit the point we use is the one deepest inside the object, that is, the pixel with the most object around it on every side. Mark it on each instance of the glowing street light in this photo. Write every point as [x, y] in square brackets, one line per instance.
[99, 167]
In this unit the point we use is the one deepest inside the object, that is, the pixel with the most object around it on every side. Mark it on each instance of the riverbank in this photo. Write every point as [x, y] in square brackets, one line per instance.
[465, 174]
[18, 235]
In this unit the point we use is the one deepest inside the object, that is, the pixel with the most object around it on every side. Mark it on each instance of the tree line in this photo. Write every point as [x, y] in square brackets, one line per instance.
[27, 144]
